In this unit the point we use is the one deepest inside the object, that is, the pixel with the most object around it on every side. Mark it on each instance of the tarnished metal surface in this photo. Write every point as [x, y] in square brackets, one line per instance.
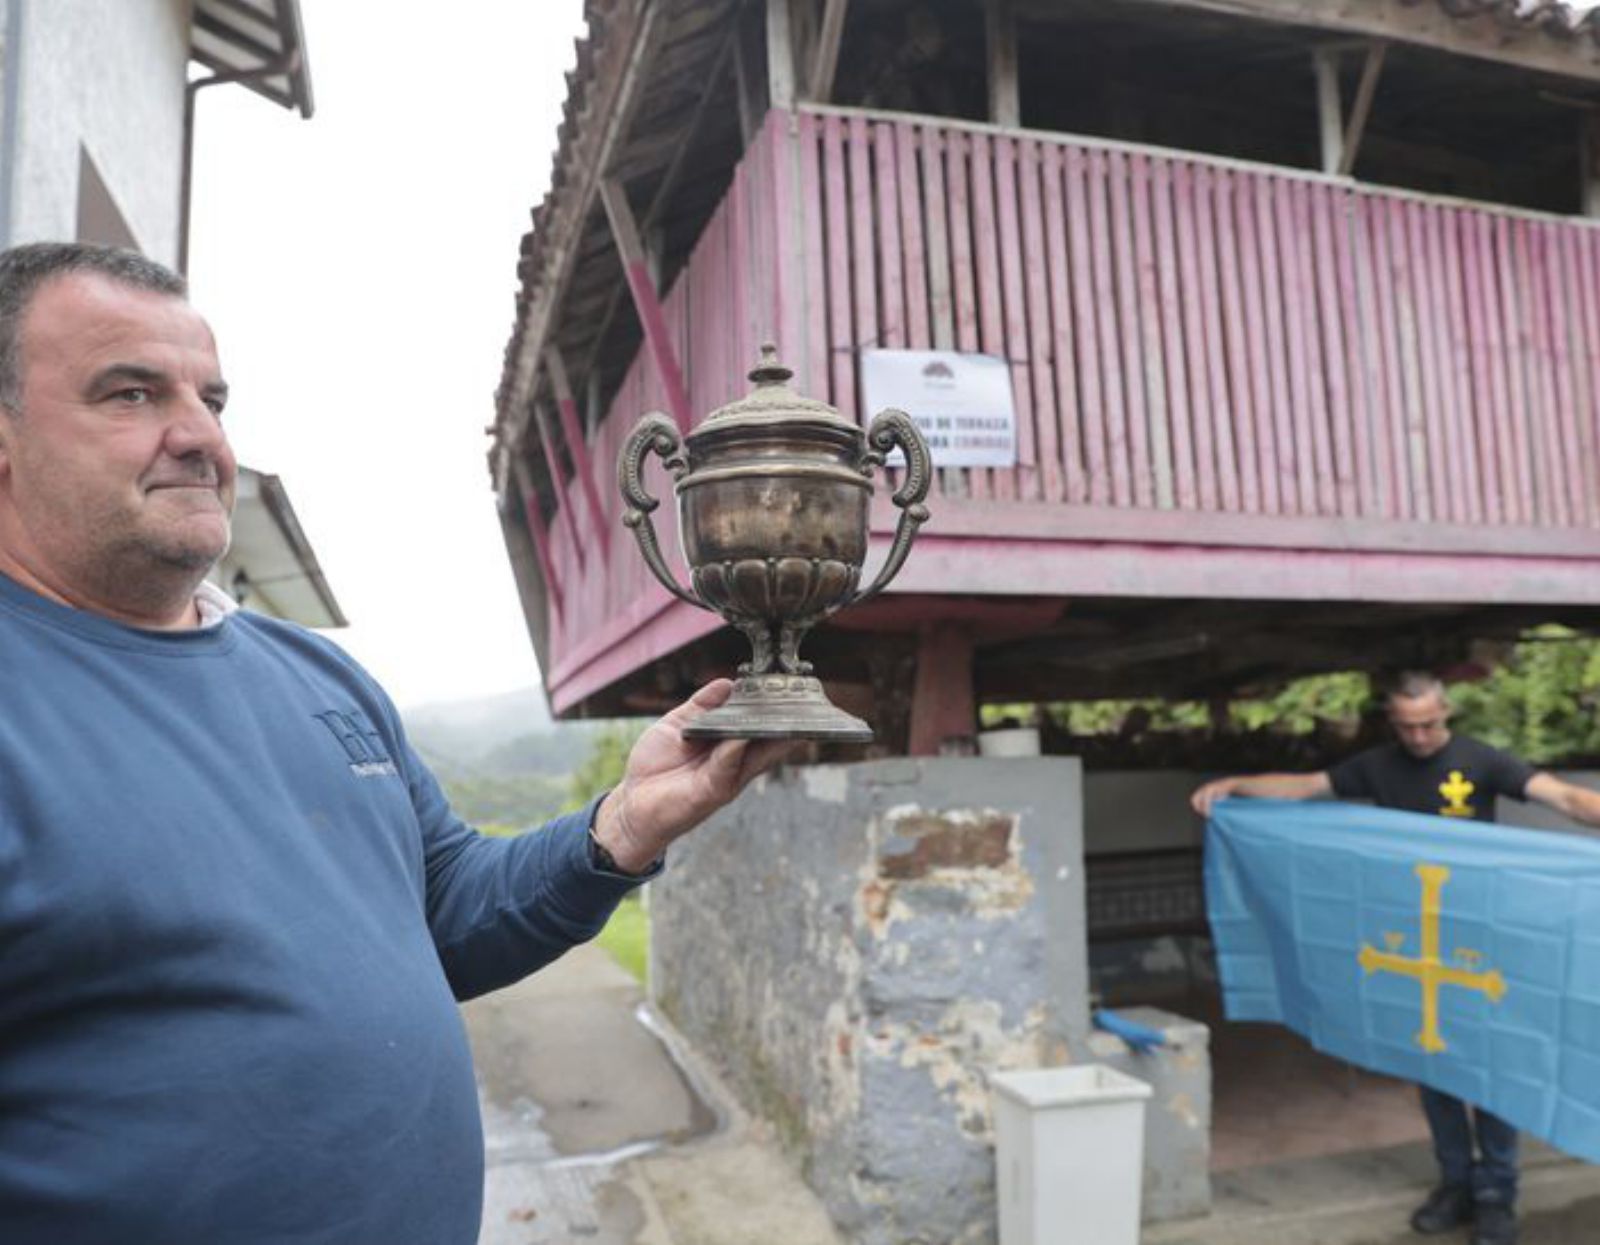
[774, 491]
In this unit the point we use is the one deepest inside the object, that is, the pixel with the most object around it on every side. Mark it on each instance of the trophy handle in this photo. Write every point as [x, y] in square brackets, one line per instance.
[889, 429]
[653, 434]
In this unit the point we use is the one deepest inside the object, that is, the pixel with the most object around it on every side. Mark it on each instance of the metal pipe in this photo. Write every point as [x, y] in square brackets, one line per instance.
[285, 64]
[13, 107]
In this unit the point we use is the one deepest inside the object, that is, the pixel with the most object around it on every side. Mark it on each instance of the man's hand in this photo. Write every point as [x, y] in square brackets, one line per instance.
[1204, 797]
[672, 784]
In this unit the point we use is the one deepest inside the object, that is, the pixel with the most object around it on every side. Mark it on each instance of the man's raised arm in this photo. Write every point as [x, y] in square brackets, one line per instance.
[1264, 787]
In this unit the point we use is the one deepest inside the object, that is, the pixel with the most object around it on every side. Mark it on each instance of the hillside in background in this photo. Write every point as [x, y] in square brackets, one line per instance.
[501, 759]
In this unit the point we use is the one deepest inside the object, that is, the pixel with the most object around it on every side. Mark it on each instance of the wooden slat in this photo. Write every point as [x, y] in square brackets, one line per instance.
[915, 266]
[814, 257]
[1041, 339]
[1510, 333]
[1586, 272]
[1549, 478]
[891, 268]
[1068, 413]
[1275, 350]
[1558, 317]
[1023, 481]
[1358, 369]
[1127, 326]
[1233, 330]
[1329, 313]
[864, 243]
[1415, 457]
[1454, 434]
[958, 182]
[1294, 330]
[986, 257]
[1219, 400]
[1086, 334]
[1480, 367]
[1105, 309]
[1305, 288]
[1148, 316]
[941, 312]
[1458, 325]
[1186, 491]
[1569, 319]
[841, 332]
[1195, 311]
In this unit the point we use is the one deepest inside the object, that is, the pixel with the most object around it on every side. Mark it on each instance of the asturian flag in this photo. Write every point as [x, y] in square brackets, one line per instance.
[1464, 956]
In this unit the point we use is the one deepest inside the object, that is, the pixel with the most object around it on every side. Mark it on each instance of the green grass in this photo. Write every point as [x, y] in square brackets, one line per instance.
[627, 937]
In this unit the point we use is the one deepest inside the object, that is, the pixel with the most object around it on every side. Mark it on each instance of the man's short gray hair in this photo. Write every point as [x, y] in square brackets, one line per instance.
[24, 269]
[1415, 684]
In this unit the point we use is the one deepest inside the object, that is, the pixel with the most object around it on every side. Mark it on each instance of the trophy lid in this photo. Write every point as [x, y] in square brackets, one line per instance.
[774, 400]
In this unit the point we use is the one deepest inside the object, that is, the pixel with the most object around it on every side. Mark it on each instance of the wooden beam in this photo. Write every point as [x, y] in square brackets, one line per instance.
[1005, 95]
[825, 60]
[612, 116]
[552, 459]
[780, 56]
[1356, 126]
[943, 699]
[1589, 162]
[749, 75]
[577, 444]
[1482, 35]
[536, 528]
[1330, 112]
[646, 301]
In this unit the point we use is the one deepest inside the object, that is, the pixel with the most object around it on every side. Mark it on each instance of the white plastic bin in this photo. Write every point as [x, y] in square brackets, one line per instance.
[1069, 1155]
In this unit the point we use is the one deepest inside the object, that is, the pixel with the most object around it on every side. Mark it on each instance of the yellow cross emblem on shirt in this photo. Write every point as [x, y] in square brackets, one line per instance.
[1427, 968]
[1456, 792]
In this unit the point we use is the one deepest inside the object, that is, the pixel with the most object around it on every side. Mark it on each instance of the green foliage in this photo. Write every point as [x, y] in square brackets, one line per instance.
[1298, 708]
[1540, 704]
[518, 802]
[627, 937]
[608, 757]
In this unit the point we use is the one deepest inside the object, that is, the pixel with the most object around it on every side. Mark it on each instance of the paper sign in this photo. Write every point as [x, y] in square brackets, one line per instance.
[960, 402]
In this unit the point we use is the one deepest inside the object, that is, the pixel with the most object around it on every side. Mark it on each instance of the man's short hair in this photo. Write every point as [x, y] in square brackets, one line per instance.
[1415, 684]
[24, 269]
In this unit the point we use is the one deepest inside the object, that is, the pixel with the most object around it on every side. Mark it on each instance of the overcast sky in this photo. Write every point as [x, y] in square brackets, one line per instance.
[359, 269]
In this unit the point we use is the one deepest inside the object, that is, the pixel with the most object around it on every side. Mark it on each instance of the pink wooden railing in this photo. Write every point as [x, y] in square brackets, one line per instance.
[1196, 345]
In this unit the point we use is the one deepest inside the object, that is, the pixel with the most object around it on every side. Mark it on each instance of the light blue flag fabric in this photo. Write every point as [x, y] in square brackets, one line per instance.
[1460, 955]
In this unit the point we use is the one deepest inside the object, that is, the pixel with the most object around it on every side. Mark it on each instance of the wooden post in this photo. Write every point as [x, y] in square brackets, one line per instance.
[943, 703]
[1005, 95]
[1362, 108]
[536, 527]
[1329, 112]
[1589, 162]
[577, 445]
[552, 458]
[780, 56]
[825, 61]
[645, 299]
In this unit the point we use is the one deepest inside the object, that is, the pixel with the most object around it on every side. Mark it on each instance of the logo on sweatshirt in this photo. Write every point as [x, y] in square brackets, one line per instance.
[363, 746]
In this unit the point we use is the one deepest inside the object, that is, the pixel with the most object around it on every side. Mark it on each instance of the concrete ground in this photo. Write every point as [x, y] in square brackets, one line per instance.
[605, 1131]
[602, 1128]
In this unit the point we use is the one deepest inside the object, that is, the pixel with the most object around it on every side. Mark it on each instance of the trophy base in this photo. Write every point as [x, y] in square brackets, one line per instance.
[779, 706]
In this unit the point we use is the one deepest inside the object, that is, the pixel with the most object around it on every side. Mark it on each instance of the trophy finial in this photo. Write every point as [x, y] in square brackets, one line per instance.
[769, 371]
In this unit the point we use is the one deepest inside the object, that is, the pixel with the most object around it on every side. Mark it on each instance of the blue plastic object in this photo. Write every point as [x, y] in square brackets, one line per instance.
[1141, 1037]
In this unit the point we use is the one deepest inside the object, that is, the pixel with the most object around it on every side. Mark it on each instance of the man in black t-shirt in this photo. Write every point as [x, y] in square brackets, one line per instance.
[1429, 770]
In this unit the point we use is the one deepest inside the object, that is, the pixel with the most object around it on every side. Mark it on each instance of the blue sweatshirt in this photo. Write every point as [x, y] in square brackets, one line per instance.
[235, 915]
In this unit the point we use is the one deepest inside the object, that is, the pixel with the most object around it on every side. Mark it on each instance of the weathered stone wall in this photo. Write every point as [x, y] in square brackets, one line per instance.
[858, 946]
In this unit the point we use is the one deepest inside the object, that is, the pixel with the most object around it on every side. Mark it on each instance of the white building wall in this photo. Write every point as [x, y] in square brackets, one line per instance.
[109, 75]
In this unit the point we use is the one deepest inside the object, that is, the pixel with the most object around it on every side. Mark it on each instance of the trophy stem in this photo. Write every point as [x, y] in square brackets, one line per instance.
[779, 706]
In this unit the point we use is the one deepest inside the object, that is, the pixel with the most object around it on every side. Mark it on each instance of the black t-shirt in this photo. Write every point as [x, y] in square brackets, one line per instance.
[1462, 779]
